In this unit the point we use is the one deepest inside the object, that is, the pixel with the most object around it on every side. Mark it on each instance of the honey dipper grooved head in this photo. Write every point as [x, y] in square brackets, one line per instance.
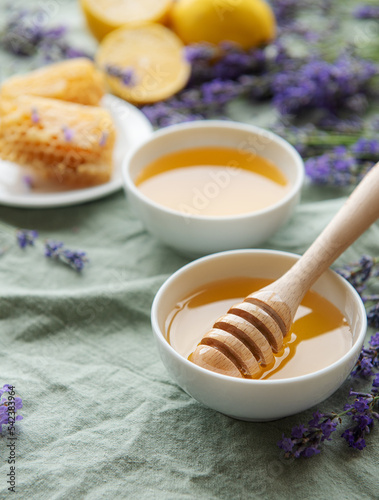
[235, 350]
[271, 303]
[262, 321]
[242, 342]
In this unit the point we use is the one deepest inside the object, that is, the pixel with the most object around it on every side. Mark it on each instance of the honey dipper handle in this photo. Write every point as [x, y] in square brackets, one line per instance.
[357, 214]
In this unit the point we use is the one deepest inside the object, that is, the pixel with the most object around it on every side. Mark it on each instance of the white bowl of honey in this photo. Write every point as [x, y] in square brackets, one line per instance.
[210, 186]
[318, 354]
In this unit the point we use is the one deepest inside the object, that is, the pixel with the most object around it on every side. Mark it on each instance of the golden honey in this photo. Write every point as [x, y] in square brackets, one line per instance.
[213, 181]
[320, 335]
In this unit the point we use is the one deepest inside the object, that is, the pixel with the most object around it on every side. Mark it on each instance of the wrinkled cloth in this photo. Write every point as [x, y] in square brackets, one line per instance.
[102, 418]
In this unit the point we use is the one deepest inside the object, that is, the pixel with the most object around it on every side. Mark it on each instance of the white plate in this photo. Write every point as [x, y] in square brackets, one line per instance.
[132, 129]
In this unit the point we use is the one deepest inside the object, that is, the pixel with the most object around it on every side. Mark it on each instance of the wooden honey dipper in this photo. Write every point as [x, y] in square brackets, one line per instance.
[243, 342]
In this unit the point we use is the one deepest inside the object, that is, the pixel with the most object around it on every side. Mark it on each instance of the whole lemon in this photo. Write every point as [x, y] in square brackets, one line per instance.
[247, 22]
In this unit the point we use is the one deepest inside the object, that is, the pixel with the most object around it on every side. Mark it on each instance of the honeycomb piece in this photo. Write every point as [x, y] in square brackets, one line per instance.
[76, 80]
[65, 142]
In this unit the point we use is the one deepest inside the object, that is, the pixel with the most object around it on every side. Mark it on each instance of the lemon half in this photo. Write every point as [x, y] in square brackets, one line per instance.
[104, 16]
[154, 55]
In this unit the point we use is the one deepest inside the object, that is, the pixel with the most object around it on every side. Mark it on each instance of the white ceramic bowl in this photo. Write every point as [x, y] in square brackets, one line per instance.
[255, 399]
[197, 234]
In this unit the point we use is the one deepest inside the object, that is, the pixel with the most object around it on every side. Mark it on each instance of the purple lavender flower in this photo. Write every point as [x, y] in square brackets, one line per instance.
[315, 421]
[201, 56]
[75, 259]
[306, 441]
[28, 181]
[346, 126]
[26, 237]
[366, 12]
[363, 367]
[285, 10]
[220, 74]
[163, 114]
[103, 139]
[373, 316]
[218, 92]
[358, 273]
[227, 61]
[57, 50]
[362, 418]
[4, 406]
[200, 53]
[353, 439]
[374, 342]
[286, 444]
[125, 75]
[368, 360]
[35, 116]
[55, 33]
[323, 86]
[298, 431]
[366, 148]
[5, 388]
[338, 168]
[21, 36]
[68, 134]
[197, 103]
[236, 62]
[26, 33]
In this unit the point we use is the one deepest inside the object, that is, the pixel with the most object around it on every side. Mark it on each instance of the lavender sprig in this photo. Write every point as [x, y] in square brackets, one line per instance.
[359, 273]
[125, 75]
[306, 441]
[76, 259]
[68, 133]
[294, 84]
[343, 165]
[337, 168]
[5, 408]
[323, 86]
[26, 237]
[35, 116]
[368, 360]
[27, 32]
[218, 76]
[362, 413]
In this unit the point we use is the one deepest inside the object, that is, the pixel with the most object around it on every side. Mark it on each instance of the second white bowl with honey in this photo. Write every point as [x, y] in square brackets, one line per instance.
[208, 186]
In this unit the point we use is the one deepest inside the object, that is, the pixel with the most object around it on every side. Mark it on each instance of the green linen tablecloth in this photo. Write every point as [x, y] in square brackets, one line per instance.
[102, 418]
